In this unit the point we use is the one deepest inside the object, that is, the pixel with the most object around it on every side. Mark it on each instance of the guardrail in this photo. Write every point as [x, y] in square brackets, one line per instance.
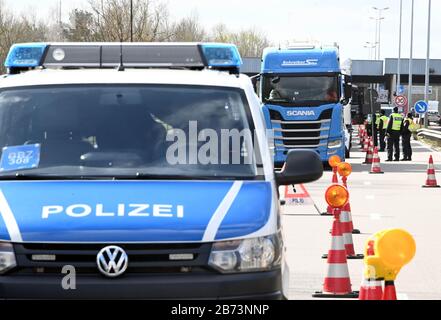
[429, 133]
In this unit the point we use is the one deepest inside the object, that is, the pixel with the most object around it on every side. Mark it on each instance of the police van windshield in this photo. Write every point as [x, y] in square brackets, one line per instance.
[126, 131]
[293, 90]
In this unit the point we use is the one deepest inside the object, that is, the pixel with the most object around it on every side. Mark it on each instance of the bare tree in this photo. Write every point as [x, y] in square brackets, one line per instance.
[220, 33]
[112, 20]
[188, 30]
[249, 42]
[81, 26]
[109, 20]
[18, 29]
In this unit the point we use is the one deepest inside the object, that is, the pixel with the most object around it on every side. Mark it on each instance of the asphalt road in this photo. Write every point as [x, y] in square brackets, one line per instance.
[393, 200]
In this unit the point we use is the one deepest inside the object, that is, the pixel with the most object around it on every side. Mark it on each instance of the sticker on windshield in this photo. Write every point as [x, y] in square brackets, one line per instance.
[20, 157]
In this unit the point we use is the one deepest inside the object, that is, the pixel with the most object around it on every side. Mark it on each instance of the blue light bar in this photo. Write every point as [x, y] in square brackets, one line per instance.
[220, 55]
[26, 55]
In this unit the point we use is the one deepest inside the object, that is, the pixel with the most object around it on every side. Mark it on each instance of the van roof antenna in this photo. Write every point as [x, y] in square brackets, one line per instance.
[121, 63]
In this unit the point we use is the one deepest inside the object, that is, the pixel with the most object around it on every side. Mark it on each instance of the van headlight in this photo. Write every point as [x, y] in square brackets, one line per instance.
[7, 257]
[334, 144]
[248, 255]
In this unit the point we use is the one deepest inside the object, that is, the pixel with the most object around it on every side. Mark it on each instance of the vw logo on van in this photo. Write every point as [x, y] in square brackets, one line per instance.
[112, 261]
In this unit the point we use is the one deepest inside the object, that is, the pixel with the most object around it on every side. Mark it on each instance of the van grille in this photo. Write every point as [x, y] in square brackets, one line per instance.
[143, 258]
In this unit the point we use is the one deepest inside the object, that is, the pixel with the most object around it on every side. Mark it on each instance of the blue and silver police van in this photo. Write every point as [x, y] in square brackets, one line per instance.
[109, 172]
[303, 91]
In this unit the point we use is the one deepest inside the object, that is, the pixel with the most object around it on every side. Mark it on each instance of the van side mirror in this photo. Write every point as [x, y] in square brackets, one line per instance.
[301, 166]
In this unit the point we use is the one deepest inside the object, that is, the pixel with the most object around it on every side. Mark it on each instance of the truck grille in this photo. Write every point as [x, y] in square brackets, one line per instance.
[143, 258]
[300, 134]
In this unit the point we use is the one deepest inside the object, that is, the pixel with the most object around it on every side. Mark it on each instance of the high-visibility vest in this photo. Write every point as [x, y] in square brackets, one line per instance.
[385, 122]
[412, 126]
[397, 119]
[377, 119]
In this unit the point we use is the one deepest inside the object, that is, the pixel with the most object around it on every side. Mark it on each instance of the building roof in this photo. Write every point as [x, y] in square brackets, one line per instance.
[418, 66]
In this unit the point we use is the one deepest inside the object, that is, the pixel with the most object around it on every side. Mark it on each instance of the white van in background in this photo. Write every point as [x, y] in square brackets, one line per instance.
[433, 113]
[347, 118]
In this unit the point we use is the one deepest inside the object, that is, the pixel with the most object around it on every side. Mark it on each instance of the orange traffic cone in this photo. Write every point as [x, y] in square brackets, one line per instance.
[351, 224]
[431, 178]
[371, 290]
[330, 210]
[349, 211]
[389, 291]
[337, 282]
[361, 135]
[376, 168]
[347, 229]
[361, 138]
[369, 155]
[366, 144]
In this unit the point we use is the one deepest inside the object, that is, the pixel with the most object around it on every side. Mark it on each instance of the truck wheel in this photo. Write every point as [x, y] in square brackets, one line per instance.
[347, 153]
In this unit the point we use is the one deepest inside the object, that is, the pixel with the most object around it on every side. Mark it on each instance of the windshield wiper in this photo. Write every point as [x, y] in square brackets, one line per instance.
[282, 100]
[42, 177]
[150, 176]
[137, 176]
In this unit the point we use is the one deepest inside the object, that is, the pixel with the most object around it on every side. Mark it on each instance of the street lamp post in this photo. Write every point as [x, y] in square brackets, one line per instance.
[409, 93]
[131, 20]
[399, 50]
[427, 80]
[370, 46]
[378, 28]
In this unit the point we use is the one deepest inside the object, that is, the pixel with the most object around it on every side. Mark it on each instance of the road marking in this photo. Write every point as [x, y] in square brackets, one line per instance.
[402, 296]
[425, 146]
[370, 197]
[375, 216]
[367, 183]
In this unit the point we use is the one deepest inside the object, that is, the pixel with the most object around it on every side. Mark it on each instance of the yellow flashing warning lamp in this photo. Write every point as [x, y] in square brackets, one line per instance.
[337, 196]
[386, 252]
[344, 169]
[334, 161]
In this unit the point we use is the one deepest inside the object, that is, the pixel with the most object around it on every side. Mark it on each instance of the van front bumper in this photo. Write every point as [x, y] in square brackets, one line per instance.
[206, 286]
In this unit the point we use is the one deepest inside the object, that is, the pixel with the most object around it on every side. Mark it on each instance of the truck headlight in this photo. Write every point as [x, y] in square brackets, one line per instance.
[7, 257]
[248, 255]
[334, 144]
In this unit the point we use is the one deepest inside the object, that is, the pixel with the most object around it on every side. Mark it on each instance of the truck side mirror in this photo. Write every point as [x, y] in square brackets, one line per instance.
[301, 166]
[348, 91]
[347, 88]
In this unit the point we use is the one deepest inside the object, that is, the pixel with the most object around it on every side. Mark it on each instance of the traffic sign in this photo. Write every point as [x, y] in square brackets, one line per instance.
[421, 107]
[401, 101]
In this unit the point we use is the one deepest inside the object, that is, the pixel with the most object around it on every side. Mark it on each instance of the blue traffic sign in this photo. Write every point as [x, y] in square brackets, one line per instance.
[421, 107]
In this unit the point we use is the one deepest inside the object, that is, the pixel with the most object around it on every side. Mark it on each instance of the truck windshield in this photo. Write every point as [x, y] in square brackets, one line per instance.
[295, 90]
[125, 131]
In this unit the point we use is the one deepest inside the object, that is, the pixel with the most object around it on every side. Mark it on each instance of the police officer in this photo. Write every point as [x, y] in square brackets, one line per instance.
[368, 124]
[406, 135]
[377, 122]
[382, 127]
[394, 129]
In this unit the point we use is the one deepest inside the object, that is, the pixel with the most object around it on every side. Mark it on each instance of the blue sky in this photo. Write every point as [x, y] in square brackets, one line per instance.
[345, 21]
